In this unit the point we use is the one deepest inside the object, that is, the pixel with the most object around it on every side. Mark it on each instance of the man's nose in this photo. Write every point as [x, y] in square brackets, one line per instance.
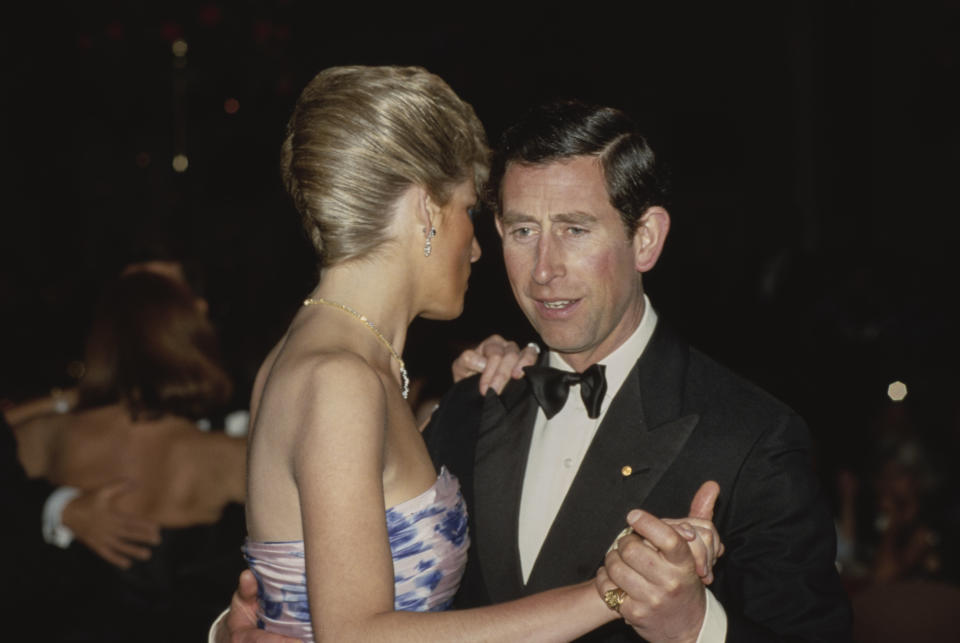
[549, 261]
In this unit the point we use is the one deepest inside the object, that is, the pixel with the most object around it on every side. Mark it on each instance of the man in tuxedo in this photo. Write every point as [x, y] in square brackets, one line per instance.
[549, 476]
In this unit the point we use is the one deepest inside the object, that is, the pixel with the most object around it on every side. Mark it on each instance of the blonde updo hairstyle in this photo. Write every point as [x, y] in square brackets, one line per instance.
[359, 137]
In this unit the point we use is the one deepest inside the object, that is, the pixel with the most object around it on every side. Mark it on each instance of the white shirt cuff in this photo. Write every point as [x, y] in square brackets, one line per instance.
[212, 634]
[54, 531]
[714, 628]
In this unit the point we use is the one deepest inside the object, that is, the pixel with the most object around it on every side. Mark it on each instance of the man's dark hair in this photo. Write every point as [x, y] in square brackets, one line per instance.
[563, 129]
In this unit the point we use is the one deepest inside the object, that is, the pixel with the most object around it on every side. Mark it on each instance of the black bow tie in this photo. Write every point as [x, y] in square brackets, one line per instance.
[551, 387]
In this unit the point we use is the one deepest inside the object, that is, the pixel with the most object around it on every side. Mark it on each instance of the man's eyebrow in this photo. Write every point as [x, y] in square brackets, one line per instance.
[576, 218]
[511, 218]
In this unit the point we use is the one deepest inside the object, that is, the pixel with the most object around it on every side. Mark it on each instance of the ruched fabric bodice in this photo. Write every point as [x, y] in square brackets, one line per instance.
[428, 542]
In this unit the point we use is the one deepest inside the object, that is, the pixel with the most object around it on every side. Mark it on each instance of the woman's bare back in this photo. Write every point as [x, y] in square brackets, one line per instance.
[181, 476]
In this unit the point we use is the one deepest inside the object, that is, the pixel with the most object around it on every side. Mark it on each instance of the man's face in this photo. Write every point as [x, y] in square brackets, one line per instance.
[570, 263]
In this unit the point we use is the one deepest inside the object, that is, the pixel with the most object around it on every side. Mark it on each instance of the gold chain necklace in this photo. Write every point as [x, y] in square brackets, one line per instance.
[405, 386]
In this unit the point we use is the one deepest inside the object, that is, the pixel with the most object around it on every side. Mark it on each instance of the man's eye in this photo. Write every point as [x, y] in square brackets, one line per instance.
[521, 232]
[473, 211]
[575, 231]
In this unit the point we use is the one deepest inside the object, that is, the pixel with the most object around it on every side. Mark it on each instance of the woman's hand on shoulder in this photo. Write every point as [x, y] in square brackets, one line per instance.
[497, 360]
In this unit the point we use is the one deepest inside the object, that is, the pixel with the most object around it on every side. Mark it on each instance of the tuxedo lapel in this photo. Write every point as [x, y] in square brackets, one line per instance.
[503, 442]
[639, 438]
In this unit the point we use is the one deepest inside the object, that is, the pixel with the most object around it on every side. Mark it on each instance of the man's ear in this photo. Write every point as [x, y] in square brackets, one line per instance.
[497, 221]
[650, 236]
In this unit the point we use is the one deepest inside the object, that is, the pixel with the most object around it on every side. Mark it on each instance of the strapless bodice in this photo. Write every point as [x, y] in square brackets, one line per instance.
[428, 543]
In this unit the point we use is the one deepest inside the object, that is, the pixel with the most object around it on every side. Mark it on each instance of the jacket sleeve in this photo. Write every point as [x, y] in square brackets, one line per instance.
[21, 498]
[779, 579]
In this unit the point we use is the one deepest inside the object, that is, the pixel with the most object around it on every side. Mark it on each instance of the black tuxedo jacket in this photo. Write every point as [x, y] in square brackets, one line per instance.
[678, 420]
[31, 578]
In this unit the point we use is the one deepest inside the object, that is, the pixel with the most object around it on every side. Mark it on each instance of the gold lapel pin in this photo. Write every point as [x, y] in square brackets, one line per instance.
[626, 470]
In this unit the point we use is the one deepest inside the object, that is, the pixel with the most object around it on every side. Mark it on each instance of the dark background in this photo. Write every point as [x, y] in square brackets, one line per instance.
[812, 146]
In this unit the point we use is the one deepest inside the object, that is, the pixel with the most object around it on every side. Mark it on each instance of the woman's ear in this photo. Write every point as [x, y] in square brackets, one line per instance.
[650, 236]
[432, 214]
[418, 213]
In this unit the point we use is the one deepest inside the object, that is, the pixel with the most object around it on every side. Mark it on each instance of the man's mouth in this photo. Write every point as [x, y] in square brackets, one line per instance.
[556, 309]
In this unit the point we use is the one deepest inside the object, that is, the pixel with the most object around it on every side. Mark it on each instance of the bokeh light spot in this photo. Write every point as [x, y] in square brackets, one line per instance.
[180, 163]
[897, 391]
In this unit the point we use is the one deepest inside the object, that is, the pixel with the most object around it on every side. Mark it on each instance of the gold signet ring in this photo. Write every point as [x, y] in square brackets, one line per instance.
[614, 598]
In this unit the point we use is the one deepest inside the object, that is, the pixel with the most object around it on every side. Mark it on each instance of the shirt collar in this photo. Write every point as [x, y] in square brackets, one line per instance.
[624, 357]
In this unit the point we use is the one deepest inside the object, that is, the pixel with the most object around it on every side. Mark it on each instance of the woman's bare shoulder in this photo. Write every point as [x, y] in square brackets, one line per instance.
[325, 371]
[262, 374]
[319, 388]
[39, 437]
[35, 440]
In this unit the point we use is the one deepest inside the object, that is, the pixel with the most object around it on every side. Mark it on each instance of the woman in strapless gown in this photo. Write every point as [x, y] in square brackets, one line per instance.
[353, 534]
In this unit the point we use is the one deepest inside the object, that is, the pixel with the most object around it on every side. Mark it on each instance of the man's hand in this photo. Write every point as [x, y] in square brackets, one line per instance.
[497, 360]
[117, 537]
[657, 569]
[698, 529]
[240, 623]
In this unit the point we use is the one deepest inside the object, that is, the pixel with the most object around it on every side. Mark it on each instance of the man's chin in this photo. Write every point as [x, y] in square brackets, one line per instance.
[563, 345]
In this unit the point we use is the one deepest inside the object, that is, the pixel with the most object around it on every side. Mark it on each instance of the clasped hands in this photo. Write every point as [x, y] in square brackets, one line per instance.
[654, 574]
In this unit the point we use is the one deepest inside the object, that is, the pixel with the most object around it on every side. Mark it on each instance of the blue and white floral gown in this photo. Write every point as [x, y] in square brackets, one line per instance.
[428, 541]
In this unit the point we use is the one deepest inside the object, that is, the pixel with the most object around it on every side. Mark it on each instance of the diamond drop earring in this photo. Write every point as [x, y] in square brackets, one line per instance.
[428, 246]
